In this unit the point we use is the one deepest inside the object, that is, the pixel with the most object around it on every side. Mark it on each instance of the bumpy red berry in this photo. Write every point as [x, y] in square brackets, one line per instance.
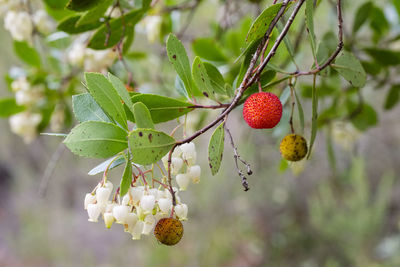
[168, 231]
[262, 110]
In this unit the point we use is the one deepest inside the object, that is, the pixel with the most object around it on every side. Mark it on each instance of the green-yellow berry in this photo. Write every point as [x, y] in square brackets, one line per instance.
[169, 231]
[293, 147]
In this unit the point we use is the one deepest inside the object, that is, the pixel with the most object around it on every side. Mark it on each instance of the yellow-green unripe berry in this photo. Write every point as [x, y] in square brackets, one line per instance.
[293, 147]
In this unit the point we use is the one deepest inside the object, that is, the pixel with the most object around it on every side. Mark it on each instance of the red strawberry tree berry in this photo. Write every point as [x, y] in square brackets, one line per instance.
[120, 121]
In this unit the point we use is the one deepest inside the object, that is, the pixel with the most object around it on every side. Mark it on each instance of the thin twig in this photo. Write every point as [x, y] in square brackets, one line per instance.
[237, 157]
[48, 173]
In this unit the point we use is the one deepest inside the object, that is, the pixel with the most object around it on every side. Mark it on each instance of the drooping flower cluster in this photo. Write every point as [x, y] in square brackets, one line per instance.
[21, 24]
[89, 59]
[25, 123]
[183, 166]
[138, 210]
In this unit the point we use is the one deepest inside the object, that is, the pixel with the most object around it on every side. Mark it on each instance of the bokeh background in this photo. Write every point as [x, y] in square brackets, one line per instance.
[312, 214]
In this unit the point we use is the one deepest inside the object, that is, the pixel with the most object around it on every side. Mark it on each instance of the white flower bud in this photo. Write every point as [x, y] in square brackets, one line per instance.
[130, 222]
[113, 12]
[165, 161]
[176, 165]
[137, 230]
[136, 193]
[181, 211]
[108, 219]
[165, 204]
[109, 207]
[102, 195]
[194, 172]
[183, 181]
[147, 203]
[89, 199]
[189, 153]
[120, 213]
[93, 212]
[161, 194]
[149, 223]
[177, 152]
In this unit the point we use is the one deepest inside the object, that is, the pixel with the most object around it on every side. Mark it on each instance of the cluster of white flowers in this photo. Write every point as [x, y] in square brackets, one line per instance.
[25, 123]
[183, 166]
[25, 93]
[89, 59]
[21, 24]
[138, 211]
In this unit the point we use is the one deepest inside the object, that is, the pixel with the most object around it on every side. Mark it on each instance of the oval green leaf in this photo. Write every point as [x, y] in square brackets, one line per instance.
[86, 109]
[149, 146]
[142, 116]
[95, 139]
[216, 148]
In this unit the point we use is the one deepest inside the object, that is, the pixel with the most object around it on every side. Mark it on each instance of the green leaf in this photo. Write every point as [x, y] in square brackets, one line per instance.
[365, 116]
[314, 120]
[119, 86]
[27, 53]
[9, 107]
[142, 116]
[110, 34]
[86, 109]
[163, 108]
[310, 25]
[208, 49]
[149, 146]
[362, 15]
[56, 4]
[106, 96]
[385, 57]
[392, 97]
[126, 179]
[351, 69]
[201, 78]
[70, 25]
[216, 78]
[108, 164]
[96, 139]
[262, 22]
[216, 148]
[180, 61]
[95, 14]
[82, 5]
[397, 6]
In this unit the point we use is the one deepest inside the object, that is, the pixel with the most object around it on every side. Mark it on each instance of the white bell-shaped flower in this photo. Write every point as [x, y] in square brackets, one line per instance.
[120, 213]
[136, 193]
[126, 199]
[93, 211]
[165, 204]
[108, 219]
[89, 199]
[110, 206]
[102, 195]
[165, 161]
[177, 152]
[161, 194]
[137, 230]
[147, 203]
[109, 185]
[189, 153]
[153, 192]
[176, 165]
[130, 222]
[181, 211]
[182, 180]
[149, 223]
[194, 172]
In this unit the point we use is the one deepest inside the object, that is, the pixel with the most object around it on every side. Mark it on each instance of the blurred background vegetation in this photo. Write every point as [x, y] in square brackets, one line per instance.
[340, 208]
